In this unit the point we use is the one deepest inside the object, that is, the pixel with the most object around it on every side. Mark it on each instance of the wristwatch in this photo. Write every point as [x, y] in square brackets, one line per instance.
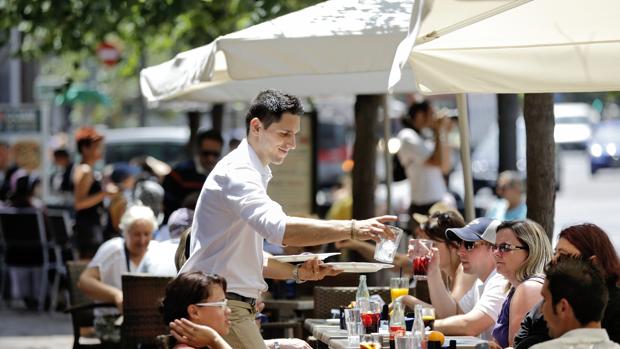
[296, 274]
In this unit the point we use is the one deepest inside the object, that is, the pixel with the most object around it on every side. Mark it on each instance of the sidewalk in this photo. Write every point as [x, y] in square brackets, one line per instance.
[25, 329]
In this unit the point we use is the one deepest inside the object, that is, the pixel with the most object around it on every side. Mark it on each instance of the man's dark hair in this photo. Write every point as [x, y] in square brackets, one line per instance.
[212, 134]
[581, 283]
[415, 108]
[61, 153]
[269, 106]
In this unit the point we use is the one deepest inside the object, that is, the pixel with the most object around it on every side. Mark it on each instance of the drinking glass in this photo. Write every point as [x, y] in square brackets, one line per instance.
[368, 341]
[404, 342]
[428, 316]
[422, 258]
[386, 248]
[399, 286]
[371, 315]
[355, 328]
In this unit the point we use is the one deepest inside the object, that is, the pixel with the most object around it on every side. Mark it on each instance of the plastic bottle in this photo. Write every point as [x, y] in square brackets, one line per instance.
[397, 322]
[418, 326]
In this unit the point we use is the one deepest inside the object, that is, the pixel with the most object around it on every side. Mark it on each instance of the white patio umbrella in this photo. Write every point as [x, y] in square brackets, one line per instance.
[338, 46]
[520, 47]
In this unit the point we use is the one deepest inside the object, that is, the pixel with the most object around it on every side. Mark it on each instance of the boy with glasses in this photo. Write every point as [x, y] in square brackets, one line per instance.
[476, 241]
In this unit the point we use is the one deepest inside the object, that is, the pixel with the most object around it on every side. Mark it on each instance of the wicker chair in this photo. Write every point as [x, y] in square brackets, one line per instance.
[81, 307]
[143, 321]
[327, 298]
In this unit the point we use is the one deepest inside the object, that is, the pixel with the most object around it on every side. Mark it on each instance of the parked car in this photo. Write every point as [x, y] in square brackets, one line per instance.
[573, 124]
[604, 146]
[163, 143]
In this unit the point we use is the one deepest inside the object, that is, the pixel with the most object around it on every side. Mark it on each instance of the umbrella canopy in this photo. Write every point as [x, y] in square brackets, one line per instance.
[524, 46]
[338, 46]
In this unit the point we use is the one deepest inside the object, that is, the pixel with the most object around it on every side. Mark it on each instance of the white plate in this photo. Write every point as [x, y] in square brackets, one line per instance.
[359, 267]
[293, 258]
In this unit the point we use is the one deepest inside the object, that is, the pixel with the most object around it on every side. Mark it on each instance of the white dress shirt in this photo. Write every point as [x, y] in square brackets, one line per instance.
[233, 216]
[427, 183]
[580, 338]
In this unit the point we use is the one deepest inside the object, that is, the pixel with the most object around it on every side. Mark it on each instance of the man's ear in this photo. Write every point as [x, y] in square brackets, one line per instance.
[192, 312]
[255, 125]
[563, 307]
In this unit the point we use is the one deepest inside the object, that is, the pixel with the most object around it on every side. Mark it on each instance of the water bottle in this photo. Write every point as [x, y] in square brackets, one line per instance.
[397, 322]
[418, 327]
[362, 292]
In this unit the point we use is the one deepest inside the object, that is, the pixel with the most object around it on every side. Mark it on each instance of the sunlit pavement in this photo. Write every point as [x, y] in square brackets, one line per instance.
[24, 329]
[586, 198]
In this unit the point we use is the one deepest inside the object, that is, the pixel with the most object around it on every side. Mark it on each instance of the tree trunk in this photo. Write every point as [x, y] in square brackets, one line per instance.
[217, 115]
[508, 112]
[539, 124]
[193, 121]
[364, 155]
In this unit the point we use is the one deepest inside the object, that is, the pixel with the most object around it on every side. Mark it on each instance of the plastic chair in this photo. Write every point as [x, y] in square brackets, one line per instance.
[142, 320]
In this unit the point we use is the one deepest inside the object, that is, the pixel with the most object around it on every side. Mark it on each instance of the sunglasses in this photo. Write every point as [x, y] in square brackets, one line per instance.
[207, 153]
[222, 305]
[468, 245]
[504, 247]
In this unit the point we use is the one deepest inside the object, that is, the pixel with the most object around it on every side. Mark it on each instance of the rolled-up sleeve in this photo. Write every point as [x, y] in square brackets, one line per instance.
[248, 198]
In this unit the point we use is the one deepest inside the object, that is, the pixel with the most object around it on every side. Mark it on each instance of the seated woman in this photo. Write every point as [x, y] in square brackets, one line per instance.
[521, 250]
[448, 262]
[135, 252]
[195, 308]
[588, 241]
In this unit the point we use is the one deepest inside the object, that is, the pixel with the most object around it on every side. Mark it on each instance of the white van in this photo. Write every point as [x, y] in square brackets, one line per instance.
[163, 143]
[573, 124]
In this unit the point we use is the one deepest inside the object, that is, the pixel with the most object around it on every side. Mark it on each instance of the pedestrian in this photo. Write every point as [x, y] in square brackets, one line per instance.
[234, 215]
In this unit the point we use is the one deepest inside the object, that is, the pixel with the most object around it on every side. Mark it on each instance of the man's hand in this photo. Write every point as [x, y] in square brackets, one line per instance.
[374, 229]
[118, 300]
[197, 336]
[314, 269]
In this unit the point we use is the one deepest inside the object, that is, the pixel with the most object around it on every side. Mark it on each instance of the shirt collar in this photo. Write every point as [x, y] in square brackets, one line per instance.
[599, 334]
[265, 171]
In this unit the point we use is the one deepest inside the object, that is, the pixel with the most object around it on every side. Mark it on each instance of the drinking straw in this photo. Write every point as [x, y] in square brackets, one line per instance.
[400, 274]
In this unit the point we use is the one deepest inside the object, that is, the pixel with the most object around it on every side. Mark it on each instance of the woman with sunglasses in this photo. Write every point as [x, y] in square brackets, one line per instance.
[591, 242]
[195, 307]
[521, 251]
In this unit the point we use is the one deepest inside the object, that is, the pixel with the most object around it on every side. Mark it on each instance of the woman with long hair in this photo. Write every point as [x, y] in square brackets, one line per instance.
[521, 251]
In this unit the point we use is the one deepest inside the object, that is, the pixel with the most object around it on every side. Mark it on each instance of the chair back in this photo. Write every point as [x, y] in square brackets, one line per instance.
[74, 270]
[328, 298]
[60, 229]
[24, 233]
[143, 322]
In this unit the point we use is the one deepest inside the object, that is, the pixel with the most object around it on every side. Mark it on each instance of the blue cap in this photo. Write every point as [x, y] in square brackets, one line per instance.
[123, 171]
[479, 229]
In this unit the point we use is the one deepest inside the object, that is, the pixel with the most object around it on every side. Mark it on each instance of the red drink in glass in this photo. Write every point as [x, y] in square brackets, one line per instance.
[420, 266]
[371, 322]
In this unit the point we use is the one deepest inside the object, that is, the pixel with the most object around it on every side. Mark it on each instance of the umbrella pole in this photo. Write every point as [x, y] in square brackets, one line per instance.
[387, 156]
[468, 184]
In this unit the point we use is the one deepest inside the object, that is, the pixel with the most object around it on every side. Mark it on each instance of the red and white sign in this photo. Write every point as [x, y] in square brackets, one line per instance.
[108, 54]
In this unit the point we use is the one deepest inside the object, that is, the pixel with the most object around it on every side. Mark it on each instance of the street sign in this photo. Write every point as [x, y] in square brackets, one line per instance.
[108, 54]
[20, 119]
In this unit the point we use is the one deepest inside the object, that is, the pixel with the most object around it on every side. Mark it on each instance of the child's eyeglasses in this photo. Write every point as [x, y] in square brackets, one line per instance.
[221, 304]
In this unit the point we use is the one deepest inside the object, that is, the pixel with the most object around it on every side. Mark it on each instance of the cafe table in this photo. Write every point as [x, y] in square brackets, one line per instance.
[329, 335]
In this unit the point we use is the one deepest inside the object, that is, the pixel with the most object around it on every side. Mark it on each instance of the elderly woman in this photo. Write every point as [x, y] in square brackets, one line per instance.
[195, 307]
[134, 252]
[522, 249]
[591, 242]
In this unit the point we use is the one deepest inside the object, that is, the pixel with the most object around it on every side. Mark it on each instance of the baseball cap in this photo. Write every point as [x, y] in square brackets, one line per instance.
[479, 229]
[439, 206]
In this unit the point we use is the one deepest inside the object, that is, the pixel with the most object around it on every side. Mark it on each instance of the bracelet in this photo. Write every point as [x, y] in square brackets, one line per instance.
[296, 277]
[353, 230]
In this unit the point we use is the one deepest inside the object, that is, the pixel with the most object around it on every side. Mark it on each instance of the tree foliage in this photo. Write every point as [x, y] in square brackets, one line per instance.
[77, 26]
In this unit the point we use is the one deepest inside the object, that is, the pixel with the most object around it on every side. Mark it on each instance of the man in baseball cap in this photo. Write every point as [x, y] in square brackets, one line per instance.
[485, 299]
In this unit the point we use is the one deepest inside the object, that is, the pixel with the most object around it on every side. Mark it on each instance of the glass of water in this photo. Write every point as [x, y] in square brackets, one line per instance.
[386, 248]
[355, 327]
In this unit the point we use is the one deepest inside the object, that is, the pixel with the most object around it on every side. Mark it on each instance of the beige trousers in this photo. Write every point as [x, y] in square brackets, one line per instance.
[244, 333]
